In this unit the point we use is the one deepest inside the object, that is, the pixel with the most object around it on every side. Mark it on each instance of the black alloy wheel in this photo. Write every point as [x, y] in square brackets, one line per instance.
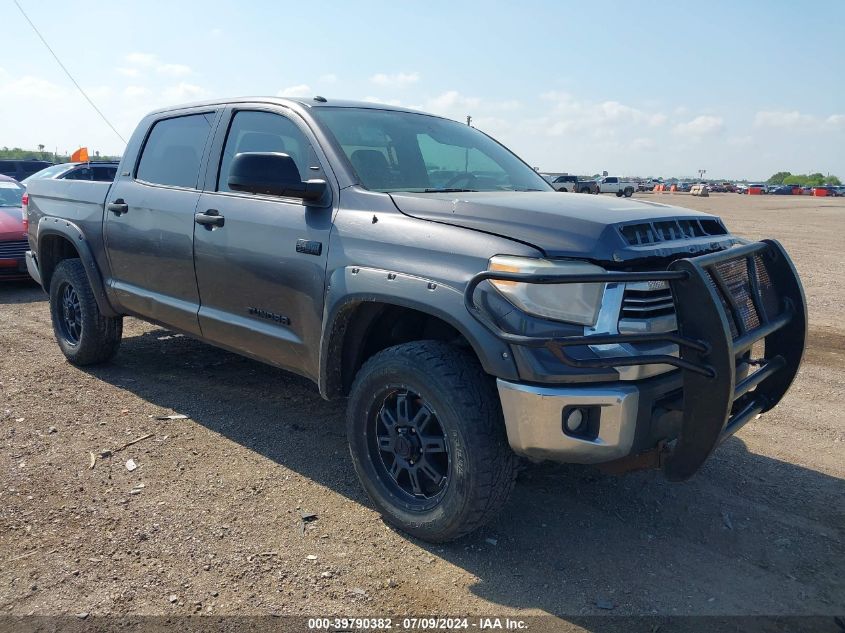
[408, 446]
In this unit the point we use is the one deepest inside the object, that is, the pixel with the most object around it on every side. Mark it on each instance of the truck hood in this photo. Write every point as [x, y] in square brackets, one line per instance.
[582, 226]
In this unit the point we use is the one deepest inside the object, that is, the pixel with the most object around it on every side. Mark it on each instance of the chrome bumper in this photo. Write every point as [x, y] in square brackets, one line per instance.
[534, 421]
[32, 267]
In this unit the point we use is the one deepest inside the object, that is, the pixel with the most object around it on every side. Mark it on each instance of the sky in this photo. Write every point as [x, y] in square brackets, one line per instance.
[741, 89]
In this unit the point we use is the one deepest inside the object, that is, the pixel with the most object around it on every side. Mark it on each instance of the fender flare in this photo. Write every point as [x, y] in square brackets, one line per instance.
[66, 229]
[351, 287]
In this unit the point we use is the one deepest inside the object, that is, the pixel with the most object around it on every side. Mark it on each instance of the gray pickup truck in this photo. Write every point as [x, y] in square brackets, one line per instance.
[468, 312]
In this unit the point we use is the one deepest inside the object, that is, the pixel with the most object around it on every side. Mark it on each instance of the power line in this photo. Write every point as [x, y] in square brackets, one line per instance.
[67, 72]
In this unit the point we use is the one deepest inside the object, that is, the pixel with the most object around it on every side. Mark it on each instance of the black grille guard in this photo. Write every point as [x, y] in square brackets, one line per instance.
[715, 405]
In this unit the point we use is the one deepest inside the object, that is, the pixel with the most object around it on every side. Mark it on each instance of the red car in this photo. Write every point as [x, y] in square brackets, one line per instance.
[13, 243]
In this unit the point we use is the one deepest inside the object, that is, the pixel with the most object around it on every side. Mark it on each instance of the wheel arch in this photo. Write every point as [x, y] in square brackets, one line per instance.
[59, 240]
[362, 317]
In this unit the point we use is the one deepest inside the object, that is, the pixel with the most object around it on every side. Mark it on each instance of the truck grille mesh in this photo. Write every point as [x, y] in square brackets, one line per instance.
[14, 249]
[735, 283]
[738, 278]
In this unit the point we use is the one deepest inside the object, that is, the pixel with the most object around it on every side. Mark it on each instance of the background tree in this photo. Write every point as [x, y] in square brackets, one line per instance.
[778, 178]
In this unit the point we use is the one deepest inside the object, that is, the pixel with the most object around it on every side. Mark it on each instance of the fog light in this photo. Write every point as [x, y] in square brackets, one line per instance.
[574, 420]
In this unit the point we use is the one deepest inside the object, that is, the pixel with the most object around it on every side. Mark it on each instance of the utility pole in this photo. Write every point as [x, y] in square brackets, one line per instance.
[469, 120]
[701, 173]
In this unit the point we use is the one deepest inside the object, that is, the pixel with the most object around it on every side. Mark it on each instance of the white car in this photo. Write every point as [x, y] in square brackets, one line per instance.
[614, 184]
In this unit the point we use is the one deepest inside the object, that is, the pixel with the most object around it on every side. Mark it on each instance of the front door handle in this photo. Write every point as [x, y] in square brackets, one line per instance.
[210, 219]
[118, 207]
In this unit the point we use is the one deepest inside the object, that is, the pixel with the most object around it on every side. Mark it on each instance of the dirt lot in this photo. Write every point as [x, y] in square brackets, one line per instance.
[216, 526]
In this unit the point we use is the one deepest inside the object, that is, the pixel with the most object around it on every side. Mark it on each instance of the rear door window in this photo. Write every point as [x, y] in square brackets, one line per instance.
[173, 151]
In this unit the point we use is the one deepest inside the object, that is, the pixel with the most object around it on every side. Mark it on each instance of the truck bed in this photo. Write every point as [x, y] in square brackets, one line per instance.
[73, 200]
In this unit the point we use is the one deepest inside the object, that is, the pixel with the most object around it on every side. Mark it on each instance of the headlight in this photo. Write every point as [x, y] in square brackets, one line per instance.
[572, 302]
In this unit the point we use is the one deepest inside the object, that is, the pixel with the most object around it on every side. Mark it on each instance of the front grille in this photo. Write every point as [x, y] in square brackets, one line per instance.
[648, 306]
[644, 233]
[13, 250]
[646, 300]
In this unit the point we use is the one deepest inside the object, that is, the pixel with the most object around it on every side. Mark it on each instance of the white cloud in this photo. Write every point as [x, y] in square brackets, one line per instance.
[136, 62]
[184, 92]
[836, 120]
[783, 119]
[144, 60]
[391, 102]
[134, 91]
[704, 125]
[397, 79]
[300, 90]
[174, 70]
[29, 86]
[600, 120]
[450, 102]
[643, 144]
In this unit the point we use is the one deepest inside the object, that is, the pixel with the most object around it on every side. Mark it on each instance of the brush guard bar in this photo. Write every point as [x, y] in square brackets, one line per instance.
[720, 316]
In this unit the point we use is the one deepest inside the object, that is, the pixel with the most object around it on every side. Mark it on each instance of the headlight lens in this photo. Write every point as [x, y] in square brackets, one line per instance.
[572, 303]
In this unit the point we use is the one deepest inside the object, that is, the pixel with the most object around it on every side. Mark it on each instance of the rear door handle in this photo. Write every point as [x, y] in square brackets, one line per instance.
[210, 219]
[118, 207]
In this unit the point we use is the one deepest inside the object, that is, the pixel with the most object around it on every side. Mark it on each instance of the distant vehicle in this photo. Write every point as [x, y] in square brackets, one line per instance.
[13, 243]
[781, 190]
[99, 171]
[614, 184]
[574, 184]
[22, 168]
[839, 190]
[684, 187]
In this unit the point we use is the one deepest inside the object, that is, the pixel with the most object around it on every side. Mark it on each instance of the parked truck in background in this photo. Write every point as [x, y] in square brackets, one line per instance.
[466, 324]
[614, 184]
[574, 184]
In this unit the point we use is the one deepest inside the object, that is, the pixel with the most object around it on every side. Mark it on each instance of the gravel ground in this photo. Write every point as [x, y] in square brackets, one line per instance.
[210, 521]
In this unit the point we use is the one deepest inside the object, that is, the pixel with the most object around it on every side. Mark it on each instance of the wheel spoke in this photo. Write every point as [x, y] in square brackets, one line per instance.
[421, 419]
[433, 444]
[396, 469]
[385, 443]
[387, 418]
[402, 407]
[429, 471]
[414, 475]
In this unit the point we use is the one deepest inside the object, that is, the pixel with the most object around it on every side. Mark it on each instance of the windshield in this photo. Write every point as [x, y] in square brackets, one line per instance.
[403, 151]
[47, 172]
[10, 194]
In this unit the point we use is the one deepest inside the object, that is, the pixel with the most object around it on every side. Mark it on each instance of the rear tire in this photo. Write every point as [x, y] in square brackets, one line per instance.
[85, 336]
[619, 194]
[465, 469]
[629, 192]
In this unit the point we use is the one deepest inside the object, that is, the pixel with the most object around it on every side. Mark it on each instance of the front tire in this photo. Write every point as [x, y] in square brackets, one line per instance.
[428, 440]
[85, 336]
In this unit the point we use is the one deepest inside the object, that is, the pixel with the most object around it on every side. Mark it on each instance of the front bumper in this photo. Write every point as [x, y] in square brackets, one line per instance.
[725, 303]
[534, 420]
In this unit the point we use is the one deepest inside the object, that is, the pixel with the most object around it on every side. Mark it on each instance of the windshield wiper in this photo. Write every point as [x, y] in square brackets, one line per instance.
[450, 190]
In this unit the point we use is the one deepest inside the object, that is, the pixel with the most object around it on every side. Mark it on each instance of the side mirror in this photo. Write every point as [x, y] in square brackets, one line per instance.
[274, 174]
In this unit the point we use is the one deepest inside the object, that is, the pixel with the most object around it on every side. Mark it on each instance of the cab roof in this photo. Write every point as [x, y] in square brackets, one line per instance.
[295, 102]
